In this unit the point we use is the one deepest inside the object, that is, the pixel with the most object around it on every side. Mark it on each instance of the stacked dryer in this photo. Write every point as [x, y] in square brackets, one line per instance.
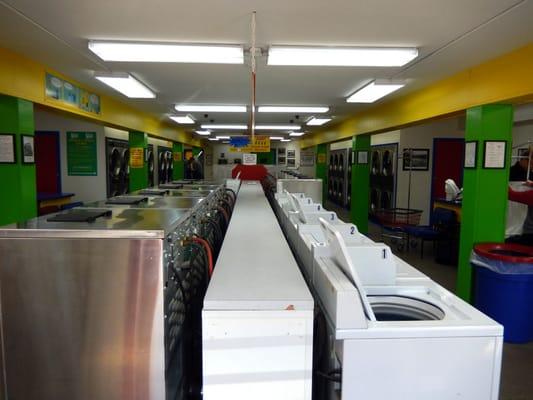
[339, 177]
[150, 161]
[165, 165]
[118, 167]
[382, 177]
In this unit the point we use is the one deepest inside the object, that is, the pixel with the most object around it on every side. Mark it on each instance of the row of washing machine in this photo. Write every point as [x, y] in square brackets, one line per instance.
[160, 166]
[104, 301]
[384, 329]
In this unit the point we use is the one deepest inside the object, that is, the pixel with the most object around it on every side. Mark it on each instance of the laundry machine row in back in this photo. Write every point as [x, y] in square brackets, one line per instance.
[339, 177]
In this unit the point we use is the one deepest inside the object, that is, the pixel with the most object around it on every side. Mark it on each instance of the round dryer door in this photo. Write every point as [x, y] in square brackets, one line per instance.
[374, 200]
[151, 167]
[115, 163]
[341, 163]
[386, 200]
[125, 162]
[162, 168]
[170, 166]
[376, 162]
[388, 163]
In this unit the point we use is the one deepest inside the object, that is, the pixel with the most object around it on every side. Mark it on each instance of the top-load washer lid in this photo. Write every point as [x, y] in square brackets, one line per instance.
[171, 186]
[154, 192]
[340, 255]
[79, 215]
[128, 200]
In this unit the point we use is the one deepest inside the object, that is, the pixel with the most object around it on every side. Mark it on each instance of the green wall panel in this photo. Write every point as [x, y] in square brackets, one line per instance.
[139, 175]
[321, 169]
[18, 200]
[179, 165]
[485, 194]
[360, 184]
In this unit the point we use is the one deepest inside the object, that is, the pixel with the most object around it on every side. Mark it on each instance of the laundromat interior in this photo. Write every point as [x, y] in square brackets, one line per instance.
[298, 200]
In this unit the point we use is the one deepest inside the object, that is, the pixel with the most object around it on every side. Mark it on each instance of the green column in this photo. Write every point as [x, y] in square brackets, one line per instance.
[321, 171]
[138, 172]
[179, 167]
[18, 198]
[196, 151]
[485, 190]
[360, 183]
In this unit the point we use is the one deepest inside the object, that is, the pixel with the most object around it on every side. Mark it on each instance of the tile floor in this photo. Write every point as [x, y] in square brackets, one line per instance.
[517, 366]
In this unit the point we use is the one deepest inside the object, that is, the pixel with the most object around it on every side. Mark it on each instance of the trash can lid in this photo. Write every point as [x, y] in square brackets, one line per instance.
[508, 252]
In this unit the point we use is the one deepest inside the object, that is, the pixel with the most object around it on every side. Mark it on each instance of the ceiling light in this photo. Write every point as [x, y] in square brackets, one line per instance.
[291, 109]
[342, 56]
[277, 127]
[230, 126]
[127, 85]
[296, 133]
[317, 121]
[374, 91]
[166, 52]
[210, 108]
[276, 138]
[182, 119]
[223, 137]
[213, 139]
[285, 140]
[203, 133]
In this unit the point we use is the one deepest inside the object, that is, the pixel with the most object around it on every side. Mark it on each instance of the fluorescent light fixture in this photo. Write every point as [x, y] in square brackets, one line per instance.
[277, 127]
[296, 134]
[223, 137]
[291, 109]
[126, 84]
[213, 139]
[203, 133]
[285, 140]
[224, 126]
[374, 91]
[210, 108]
[167, 52]
[276, 138]
[182, 119]
[317, 121]
[342, 56]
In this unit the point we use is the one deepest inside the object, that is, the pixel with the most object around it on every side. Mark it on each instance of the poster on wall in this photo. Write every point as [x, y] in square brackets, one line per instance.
[291, 153]
[136, 157]
[291, 162]
[28, 149]
[416, 159]
[307, 158]
[7, 149]
[470, 154]
[249, 159]
[495, 152]
[281, 160]
[68, 93]
[81, 154]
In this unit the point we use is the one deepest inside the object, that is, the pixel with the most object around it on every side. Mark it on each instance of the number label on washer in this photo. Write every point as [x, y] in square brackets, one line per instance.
[318, 207]
[332, 217]
[352, 230]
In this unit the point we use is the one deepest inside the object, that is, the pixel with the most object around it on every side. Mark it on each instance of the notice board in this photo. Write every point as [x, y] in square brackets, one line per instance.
[81, 153]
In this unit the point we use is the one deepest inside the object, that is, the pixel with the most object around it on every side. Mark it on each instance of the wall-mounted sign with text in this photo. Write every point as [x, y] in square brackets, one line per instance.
[58, 89]
[260, 144]
[81, 154]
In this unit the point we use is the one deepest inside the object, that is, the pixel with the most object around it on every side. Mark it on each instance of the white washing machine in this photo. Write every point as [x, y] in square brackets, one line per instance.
[401, 338]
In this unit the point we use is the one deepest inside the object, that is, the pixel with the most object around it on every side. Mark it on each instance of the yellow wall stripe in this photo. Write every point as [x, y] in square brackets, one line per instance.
[24, 78]
[508, 78]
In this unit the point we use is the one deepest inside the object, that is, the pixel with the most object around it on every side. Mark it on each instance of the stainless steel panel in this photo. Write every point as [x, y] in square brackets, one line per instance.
[183, 203]
[124, 223]
[83, 319]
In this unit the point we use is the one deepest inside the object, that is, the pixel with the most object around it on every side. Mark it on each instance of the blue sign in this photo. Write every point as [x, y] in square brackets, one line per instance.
[239, 141]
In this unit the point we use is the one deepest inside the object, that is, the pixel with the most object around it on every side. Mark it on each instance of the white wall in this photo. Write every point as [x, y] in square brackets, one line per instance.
[422, 137]
[86, 188]
[224, 171]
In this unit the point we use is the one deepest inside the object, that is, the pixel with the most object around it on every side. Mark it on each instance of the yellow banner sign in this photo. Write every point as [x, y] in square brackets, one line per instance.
[260, 144]
[136, 157]
[177, 156]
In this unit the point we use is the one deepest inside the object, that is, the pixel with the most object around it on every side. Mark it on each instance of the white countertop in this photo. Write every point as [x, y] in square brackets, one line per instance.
[256, 269]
